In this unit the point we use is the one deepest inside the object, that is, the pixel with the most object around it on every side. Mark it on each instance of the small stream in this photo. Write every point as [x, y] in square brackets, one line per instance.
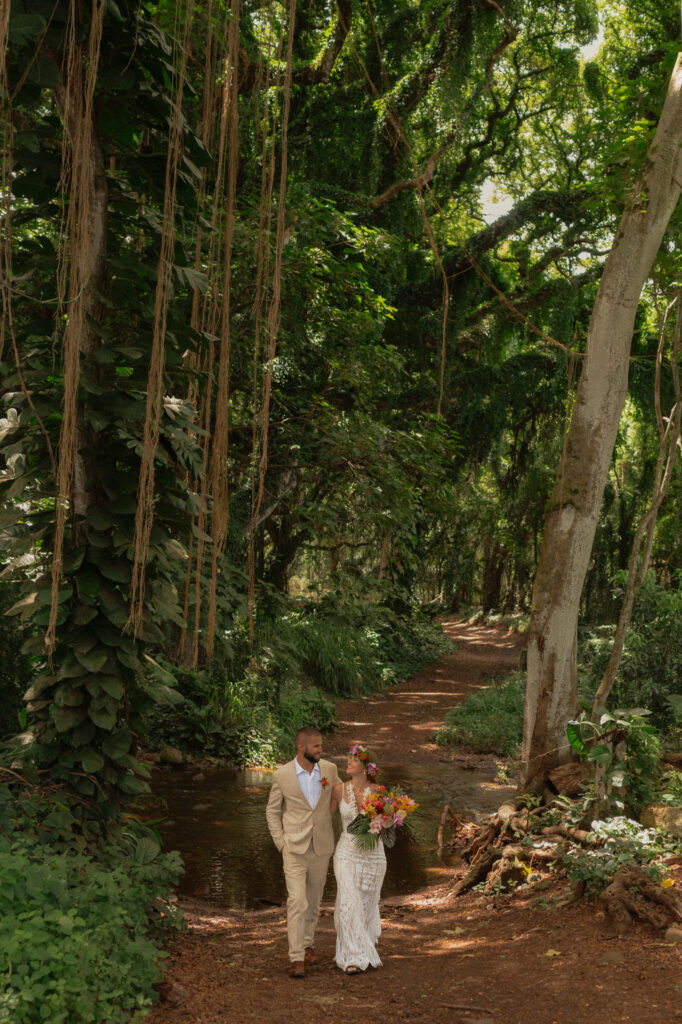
[218, 824]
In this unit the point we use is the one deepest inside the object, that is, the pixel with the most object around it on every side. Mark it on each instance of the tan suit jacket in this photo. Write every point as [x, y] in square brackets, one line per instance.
[291, 819]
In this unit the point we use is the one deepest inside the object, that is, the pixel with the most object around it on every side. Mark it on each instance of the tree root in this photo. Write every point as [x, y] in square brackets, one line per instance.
[634, 894]
[494, 860]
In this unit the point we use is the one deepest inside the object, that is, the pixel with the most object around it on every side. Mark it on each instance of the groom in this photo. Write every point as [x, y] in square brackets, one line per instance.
[300, 823]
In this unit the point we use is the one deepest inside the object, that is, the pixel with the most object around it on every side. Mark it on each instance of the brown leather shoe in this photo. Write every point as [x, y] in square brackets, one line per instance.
[310, 958]
[297, 969]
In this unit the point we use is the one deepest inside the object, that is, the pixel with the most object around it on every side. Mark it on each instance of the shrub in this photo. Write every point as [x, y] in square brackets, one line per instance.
[80, 937]
[626, 842]
[670, 788]
[488, 720]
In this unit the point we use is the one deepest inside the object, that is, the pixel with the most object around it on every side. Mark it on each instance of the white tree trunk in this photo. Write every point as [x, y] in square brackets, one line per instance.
[551, 692]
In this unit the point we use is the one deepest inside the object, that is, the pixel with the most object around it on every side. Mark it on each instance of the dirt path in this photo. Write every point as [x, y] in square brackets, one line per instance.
[398, 725]
[511, 959]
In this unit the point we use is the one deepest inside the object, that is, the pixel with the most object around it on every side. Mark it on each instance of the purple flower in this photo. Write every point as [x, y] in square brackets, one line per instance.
[397, 820]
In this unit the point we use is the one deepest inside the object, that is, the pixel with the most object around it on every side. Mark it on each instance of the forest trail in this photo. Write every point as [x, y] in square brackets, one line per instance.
[480, 959]
[398, 724]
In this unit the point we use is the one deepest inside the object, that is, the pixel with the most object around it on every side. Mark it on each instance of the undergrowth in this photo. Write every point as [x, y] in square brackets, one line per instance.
[246, 710]
[490, 720]
[84, 916]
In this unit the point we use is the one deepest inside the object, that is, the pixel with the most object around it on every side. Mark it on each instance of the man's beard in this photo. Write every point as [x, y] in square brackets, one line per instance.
[313, 758]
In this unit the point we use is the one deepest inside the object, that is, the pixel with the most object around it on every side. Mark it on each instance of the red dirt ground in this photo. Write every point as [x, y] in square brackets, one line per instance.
[508, 959]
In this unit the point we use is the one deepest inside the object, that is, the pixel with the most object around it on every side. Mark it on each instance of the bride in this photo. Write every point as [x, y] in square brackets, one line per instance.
[359, 873]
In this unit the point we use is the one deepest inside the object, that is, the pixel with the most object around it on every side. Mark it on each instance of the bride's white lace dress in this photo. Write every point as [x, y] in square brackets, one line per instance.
[359, 876]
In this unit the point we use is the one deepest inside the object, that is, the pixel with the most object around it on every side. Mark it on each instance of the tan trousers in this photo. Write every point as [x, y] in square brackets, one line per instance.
[305, 875]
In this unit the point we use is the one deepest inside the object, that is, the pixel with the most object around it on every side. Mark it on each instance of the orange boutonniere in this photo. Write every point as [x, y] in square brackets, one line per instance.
[325, 781]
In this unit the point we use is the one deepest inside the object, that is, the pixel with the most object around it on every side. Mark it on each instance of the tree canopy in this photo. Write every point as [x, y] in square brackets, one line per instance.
[265, 348]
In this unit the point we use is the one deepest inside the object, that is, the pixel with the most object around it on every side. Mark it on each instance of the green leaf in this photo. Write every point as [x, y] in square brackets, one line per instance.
[97, 418]
[71, 668]
[92, 761]
[93, 661]
[600, 754]
[40, 684]
[103, 719]
[164, 695]
[151, 634]
[67, 718]
[111, 637]
[83, 734]
[99, 519]
[85, 642]
[89, 585]
[83, 615]
[117, 744]
[574, 736]
[114, 569]
[112, 685]
[28, 604]
[131, 784]
[68, 696]
[130, 661]
[27, 140]
[23, 28]
[146, 850]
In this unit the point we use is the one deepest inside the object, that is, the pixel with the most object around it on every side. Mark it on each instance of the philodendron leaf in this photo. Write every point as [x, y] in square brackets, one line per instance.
[103, 719]
[25, 607]
[94, 660]
[98, 519]
[112, 685]
[68, 696]
[117, 744]
[67, 718]
[71, 667]
[92, 761]
[131, 784]
[83, 615]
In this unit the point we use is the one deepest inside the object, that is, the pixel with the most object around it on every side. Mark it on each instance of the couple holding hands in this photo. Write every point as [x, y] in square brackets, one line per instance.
[305, 794]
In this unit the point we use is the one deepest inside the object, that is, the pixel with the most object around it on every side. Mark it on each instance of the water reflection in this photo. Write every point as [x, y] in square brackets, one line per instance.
[217, 822]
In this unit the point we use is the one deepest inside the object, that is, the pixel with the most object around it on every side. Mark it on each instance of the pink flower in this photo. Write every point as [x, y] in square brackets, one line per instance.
[376, 825]
[397, 820]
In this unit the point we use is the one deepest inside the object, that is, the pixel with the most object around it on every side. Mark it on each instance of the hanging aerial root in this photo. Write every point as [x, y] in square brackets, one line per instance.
[219, 453]
[145, 488]
[82, 243]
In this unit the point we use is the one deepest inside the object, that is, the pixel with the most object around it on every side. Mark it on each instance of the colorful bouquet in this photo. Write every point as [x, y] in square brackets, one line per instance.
[381, 814]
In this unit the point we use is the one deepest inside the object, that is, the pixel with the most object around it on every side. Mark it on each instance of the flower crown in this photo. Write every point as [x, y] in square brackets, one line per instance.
[363, 755]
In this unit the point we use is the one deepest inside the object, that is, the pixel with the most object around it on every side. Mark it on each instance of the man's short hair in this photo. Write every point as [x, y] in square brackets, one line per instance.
[306, 733]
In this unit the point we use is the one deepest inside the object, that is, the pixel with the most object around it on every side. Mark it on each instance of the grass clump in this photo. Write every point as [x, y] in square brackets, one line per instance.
[490, 720]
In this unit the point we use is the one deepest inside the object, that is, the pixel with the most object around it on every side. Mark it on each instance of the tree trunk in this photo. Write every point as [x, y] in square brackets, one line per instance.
[551, 692]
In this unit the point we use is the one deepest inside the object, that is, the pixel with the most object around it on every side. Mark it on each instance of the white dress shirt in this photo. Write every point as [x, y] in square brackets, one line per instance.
[310, 782]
